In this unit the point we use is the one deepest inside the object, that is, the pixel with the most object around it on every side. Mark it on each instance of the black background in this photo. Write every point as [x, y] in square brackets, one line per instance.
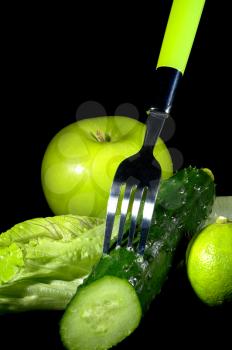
[53, 60]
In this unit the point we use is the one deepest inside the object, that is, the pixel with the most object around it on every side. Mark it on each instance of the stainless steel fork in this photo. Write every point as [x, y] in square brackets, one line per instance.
[140, 174]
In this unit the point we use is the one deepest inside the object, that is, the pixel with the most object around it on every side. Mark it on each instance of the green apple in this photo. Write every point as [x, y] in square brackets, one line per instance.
[80, 162]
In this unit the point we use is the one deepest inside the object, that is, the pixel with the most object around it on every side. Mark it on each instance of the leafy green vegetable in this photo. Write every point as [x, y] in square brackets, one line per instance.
[44, 260]
[222, 207]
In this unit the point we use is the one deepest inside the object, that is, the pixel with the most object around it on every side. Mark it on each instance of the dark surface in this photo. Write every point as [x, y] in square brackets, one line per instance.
[57, 58]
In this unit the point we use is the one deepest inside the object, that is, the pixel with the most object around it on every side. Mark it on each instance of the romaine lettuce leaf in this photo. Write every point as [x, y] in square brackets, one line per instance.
[44, 260]
[222, 207]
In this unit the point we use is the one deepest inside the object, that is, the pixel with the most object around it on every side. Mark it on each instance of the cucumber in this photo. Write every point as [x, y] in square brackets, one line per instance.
[184, 202]
[107, 311]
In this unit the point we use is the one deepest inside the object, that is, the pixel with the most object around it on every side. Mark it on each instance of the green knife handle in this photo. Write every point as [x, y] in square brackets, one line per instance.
[180, 33]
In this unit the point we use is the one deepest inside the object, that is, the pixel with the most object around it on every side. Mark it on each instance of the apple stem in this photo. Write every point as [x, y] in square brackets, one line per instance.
[100, 136]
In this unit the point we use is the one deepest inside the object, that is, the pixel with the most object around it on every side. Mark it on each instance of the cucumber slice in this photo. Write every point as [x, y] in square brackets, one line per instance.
[101, 315]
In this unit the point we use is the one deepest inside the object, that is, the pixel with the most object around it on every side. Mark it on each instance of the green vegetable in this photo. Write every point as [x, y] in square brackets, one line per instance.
[183, 204]
[222, 207]
[42, 261]
[100, 308]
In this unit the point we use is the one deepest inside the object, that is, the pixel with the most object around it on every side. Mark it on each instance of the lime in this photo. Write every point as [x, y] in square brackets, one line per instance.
[209, 262]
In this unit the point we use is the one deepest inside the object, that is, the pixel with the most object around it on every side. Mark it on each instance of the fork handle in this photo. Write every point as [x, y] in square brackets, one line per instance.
[177, 43]
[180, 33]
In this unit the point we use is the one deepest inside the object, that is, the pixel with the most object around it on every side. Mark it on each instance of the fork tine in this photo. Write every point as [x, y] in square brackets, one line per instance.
[124, 211]
[134, 213]
[111, 211]
[148, 210]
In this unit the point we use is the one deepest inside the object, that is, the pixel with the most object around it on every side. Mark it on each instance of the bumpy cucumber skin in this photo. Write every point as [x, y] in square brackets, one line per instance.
[183, 204]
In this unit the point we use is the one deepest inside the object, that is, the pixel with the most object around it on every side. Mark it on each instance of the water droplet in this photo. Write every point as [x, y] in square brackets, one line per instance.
[126, 268]
[197, 188]
[155, 247]
[133, 281]
[144, 265]
[130, 249]
[139, 258]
